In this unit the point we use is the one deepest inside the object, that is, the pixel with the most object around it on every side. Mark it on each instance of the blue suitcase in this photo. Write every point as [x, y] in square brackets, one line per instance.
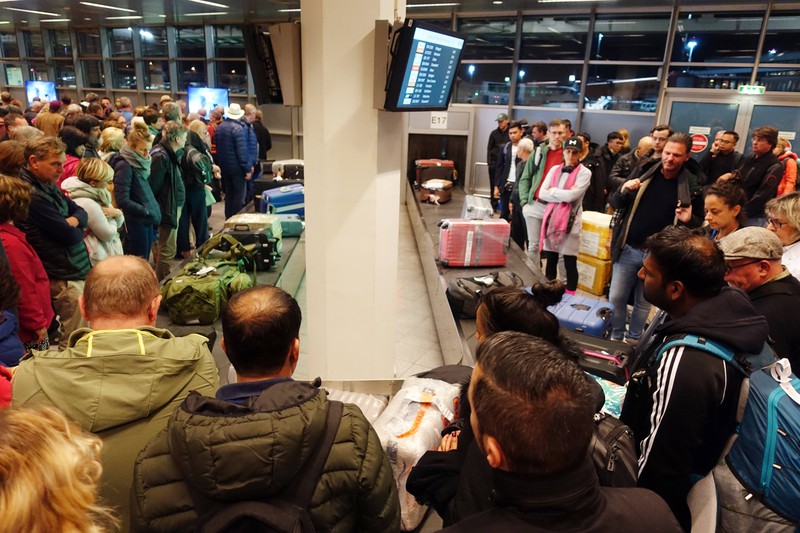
[585, 315]
[284, 201]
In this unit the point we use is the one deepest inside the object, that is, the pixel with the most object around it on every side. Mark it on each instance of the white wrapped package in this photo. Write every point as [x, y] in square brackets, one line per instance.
[370, 404]
[410, 426]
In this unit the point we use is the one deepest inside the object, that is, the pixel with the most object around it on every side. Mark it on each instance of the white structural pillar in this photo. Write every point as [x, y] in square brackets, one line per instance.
[352, 156]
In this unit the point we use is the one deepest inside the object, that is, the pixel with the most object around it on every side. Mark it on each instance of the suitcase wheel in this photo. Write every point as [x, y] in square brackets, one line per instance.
[604, 313]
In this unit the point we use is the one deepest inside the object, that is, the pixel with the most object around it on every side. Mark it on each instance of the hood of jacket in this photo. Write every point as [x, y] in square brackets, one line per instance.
[787, 155]
[728, 318]
[123, 375]
[237, 452]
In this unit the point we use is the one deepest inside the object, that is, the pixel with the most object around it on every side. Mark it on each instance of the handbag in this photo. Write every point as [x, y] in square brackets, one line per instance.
[464, 294]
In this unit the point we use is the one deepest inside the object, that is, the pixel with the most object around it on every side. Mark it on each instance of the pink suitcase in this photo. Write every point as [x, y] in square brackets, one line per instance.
[468, 243]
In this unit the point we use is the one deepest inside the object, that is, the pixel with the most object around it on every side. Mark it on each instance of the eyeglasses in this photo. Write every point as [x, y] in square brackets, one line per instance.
[778, 224]
[730, 268]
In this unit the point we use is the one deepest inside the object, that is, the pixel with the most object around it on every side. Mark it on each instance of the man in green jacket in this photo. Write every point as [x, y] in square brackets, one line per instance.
[121, 379]
[249, 442]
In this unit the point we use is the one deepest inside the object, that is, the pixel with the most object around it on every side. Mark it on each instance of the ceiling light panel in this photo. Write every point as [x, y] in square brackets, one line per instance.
[212, 4]
[104, 6]
[45, 13]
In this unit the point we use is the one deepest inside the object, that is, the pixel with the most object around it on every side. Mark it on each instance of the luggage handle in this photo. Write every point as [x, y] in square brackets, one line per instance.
[242, 226]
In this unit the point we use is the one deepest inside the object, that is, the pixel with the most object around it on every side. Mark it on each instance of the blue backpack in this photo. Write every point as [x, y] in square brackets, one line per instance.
[765, 456]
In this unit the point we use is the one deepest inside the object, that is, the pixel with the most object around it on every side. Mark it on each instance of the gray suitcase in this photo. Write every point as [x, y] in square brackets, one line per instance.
[477, 208]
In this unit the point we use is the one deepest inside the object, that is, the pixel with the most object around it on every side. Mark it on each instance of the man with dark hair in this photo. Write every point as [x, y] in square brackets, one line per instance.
[96, 110]
[506, 174]
[759, 174]
[567, 128]
[151, 119]
[13, 120]
[267, 425]
[497, 140]
[90, 126]
[722, 157]
[123, 378]
[662, 196]
[606, 156]
[538, 133]
[681, 402]
[532, 411]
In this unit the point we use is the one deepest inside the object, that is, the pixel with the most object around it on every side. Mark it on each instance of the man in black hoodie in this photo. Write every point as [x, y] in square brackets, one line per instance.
[681, 402]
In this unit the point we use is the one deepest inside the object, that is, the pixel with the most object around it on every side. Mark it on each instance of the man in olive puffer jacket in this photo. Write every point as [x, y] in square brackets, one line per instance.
[249, 442]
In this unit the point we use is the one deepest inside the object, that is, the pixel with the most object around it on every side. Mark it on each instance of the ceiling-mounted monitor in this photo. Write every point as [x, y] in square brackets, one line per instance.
[207, 98]
[44, 90]
[425, 60]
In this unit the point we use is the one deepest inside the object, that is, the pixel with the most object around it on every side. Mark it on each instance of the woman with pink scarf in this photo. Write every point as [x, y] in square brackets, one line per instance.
[563, 189]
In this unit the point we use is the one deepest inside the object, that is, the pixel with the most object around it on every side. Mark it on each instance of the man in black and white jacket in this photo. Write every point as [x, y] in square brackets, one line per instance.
[682, 405]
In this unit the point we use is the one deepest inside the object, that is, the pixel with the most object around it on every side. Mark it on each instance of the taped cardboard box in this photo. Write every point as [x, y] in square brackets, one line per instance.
[596, 235]
[593, 274]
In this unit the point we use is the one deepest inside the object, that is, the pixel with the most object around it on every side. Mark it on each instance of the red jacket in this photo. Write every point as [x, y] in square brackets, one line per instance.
[5, 387]
[35, 309]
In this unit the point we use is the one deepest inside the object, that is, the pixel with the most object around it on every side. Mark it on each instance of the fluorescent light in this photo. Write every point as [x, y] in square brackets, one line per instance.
[5, 22]
[210, 14]
[206, 2]
[34, 12]
[54, 20]
[125, 17]
[103, 6]
[567, 1]
[445, 4]
[289, 10]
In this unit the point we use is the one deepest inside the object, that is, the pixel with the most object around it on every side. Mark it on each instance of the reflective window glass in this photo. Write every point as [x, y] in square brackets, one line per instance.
[488, 38]
[233, 75]
[483, 84]
[121, 42]
[548, 85]
[123, 74]
[782, 42]
[712, 37]
[154, 42]
[622, 88]
[191, 42]
[89, 43]
[93, 74]
[554, 37]
[229, 42]
[709, 77]
[61, 43]
[9, 44]
[38, 72]
[156, 75]
[65, 74]
[33, 43]
[630, 37]
[191, 73]
[779, 79]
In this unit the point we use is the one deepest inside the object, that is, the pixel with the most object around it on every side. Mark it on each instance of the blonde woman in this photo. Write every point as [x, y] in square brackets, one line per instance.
[49, 472]
[111, 140]
[89, 189]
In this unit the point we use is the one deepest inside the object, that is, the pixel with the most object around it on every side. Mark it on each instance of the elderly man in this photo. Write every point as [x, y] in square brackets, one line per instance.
[237, 154]
[753, 259]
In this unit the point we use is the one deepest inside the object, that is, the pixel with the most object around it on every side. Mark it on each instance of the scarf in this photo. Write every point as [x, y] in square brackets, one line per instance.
[558, 218]
[137, 162]
[100, 195]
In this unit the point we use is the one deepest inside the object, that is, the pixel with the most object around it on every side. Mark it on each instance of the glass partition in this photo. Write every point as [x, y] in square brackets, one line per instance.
[488, 38]
[156, 75]
[554, 37]
[630, 37]
[61, 45]
[548, 85]
[154, 42]
[121, 42]
[622, 88]
[191, 42]
[717, 37]
[483, 83]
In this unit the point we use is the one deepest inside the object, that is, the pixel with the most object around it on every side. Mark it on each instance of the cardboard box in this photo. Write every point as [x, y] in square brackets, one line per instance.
[593, 274]
[596, 235]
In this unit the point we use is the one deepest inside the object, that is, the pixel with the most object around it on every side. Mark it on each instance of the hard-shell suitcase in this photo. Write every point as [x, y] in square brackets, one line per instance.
[610, 360]
[585, 315]
[436, 191]
[268, 182]
[291, 225]
[293, 169]
[256, 221]
[428, 169]
[269, 248]
[466, 243]
[284, 200]
[477, 208]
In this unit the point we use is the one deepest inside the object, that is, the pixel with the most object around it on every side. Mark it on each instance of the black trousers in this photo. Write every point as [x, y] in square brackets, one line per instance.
[570, 264]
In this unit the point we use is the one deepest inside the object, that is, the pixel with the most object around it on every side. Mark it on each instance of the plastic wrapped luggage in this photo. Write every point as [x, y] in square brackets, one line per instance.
[291, 225]
[467, 243]
[477, 208]
[436, 191]
[428, 169]
[371, 405]
[284, 200]
[256, 221]
[585, 315]
[610, 360]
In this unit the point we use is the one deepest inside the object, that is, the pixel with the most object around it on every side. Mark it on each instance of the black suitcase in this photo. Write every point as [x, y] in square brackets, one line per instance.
[268, 251]
[268, 183]
[611, 360]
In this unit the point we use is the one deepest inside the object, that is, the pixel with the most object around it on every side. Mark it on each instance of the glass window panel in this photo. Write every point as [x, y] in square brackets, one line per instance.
[483, 84]
[191, 74]
[156, 75]
[123, 74]
[154, 42]
[709, 77]
[33, 43]
[488, 38]
[14, 74]
[779, 79]
[717, 37]
[62, 45]
[229, 41]
[554, 37]
[38, 72]
[89, 43]
[93, 74]
[121, 42]
[630, 37]
[782, 42]
[65, 74]
[9, 43]
[548, 85]
[191, 42]
[622, 88]
[233, 75]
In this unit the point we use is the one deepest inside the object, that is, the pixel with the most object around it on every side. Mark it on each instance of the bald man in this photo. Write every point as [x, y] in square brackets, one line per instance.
[122, 377]
[626, 163]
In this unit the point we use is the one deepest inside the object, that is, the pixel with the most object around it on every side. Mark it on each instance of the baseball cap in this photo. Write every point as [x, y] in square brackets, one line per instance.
[501, 117]
[751, 243]
[574, 143]
[166, 98]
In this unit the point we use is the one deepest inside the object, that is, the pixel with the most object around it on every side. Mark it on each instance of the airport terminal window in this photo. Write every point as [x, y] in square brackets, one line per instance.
[121, 42]
[630, 37]
[61, 43]
[488, 38]
[554, 37]
[154, 42]
[89, 43]
[123, 74]
[65, 74]
[229, 42]
[233, 75]
[38, 72]
[14, 74]
[9, 44]
[779, 79]
[191, 73]
[33, 43]
[723, 77]
[547, 85]
[782, 41]
[93, 74]
[622, 88]
[483, 83]
[156, 75]
[191, 41]
[717, 37]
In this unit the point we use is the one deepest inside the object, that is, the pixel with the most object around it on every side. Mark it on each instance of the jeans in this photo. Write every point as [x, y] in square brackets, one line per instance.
[196, 212]
[534, 213]
[624, 279]
[165, 248]
[140, 239]
[235, 194]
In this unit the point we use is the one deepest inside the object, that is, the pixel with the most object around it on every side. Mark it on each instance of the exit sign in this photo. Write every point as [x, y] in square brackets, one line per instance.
[751, 89]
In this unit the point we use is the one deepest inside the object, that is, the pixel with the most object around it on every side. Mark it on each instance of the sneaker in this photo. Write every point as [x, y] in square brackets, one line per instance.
[632, 342]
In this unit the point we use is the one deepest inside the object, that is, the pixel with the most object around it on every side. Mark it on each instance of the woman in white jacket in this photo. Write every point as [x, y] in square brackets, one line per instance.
[89, 189]
[563, 189]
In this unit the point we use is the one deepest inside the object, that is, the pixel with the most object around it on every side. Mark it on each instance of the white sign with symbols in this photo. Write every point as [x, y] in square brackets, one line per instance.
[439, 120]
[788, 135]
[699, 129]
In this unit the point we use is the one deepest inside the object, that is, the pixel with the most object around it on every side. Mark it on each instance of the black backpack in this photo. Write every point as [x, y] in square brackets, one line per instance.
[286, 512]
[613, 452]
